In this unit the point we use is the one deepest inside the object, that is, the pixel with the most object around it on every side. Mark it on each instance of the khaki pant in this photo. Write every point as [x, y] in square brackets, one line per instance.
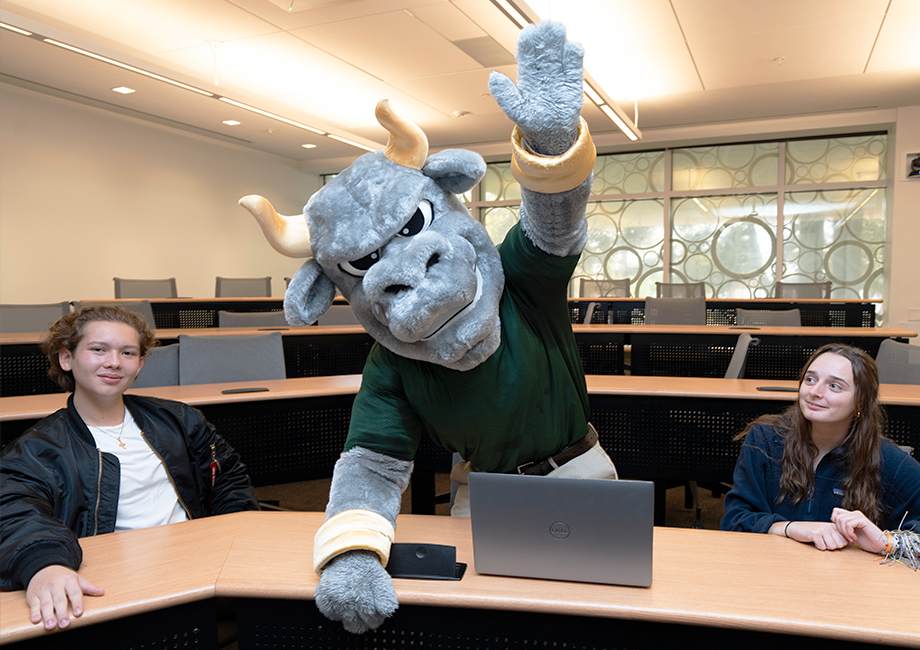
[594, 463]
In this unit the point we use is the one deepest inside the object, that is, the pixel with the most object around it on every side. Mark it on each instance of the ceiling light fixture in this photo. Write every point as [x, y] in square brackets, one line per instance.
[521, 15]
[308, 146]
[125, 66]
[15, 29]
[259, 111]
[231, 122]
[352, 143]
[124, 90]
[179, 84]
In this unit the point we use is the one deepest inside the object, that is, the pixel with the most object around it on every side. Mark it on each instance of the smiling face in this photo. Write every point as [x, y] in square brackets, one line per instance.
[105, 362]
[827, 394]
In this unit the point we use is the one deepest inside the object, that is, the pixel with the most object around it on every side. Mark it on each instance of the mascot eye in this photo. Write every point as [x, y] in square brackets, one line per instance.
[359, 267]
[419, 221]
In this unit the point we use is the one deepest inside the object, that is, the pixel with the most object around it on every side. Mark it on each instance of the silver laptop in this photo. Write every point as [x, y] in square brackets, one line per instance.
[583, 530]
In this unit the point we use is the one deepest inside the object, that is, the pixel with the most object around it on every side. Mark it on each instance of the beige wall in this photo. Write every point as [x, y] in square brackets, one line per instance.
[902, 276]
[86, 195]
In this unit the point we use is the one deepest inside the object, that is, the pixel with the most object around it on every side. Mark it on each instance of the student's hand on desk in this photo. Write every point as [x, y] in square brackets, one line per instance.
[53, 591]
[857, 528]
[823, 534]
[355, 589]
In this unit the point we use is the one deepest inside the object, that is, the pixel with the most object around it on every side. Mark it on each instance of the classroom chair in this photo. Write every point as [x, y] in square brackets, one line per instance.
[604, 288]
[160, 369]
[675, 311]
[139, 307]
[216, 359]
[802, 290]
[128, 288]
[338, 315]
[251, 319]
[735, 371]
[31, 318]
[898, 363]
[680, 289]
[243, 287]
[768, 317]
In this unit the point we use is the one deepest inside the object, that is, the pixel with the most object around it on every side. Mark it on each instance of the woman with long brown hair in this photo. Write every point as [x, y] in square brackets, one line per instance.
[822, 472]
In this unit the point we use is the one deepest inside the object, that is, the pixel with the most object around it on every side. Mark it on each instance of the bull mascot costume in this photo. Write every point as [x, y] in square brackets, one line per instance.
[474, 344]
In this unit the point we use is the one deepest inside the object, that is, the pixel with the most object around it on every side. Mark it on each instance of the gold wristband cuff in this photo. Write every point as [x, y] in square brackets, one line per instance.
[553, 174]
[352, 530]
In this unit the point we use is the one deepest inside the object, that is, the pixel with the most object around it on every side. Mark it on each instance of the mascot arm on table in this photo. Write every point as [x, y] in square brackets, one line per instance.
[424, 279]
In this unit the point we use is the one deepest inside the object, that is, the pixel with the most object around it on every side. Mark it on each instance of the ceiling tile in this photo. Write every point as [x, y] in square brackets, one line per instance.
[804, 53]
[897, 46]
[464, 91]
[389, 46]
[448, 21]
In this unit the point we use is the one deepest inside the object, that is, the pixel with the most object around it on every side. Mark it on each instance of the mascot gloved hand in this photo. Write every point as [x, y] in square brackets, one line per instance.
[488, 368]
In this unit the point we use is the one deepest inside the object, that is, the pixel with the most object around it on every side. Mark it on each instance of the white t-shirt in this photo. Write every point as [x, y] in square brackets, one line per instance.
[147, 496]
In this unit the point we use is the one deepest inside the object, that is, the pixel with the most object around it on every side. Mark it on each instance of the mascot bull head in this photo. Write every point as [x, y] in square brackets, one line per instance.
[421, 275]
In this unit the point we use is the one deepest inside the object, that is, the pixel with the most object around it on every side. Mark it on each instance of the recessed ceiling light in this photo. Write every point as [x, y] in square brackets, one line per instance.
[231, 122]
[308, 146]
[15, 29]
[124, 90]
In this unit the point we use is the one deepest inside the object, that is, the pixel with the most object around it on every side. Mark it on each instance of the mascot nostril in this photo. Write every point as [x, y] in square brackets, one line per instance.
[395, 289]
[474, 342]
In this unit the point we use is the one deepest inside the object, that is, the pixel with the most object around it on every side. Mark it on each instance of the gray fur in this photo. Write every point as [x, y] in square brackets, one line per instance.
[354, 588]
[455, 170]
[546, 103]
[566, 231]
[309, 295]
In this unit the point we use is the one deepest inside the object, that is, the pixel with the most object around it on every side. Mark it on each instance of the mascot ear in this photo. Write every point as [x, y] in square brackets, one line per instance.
[309, 295]
[455, 170]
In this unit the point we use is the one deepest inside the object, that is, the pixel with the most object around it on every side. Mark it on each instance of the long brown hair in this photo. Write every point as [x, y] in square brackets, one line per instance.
[862, 447]
[67, 333]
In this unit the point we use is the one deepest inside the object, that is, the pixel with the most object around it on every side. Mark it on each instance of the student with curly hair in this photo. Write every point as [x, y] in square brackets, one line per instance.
[106, 462]
[822, 472]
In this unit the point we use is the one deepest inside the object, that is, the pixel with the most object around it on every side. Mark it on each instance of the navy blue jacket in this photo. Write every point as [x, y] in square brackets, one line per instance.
[751, 504]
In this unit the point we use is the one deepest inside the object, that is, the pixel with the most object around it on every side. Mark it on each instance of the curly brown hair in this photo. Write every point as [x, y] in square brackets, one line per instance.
[862, 487]
[67, 333]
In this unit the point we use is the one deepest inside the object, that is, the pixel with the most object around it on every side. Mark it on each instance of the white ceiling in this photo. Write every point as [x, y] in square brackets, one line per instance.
[325, 63]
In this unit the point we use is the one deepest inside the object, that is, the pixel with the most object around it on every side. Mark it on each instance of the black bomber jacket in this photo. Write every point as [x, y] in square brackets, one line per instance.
[56, 486]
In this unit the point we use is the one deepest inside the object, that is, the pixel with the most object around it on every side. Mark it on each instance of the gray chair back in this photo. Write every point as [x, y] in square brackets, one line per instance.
[31, 318]
[898, 363]
[589, 312]
[251, 319]
[139, 307]
[214, 359]
[675, 311]
[243, 287]
[604, 288]
[803, 290]
[160, 369]
[338, 315]
[680, 289]
[768, 317]
[128, 288]
[739, 356]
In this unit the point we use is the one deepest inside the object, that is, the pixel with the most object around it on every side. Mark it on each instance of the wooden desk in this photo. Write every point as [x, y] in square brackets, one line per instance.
[706, 350]
[663, 429]
[709, 589]
[308, 352]
[721, 311]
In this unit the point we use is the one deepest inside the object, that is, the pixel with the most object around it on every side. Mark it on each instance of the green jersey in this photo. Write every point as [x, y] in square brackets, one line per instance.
[526, 402]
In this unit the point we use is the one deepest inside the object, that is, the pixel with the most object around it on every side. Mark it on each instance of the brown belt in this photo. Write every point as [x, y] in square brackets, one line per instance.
[544, 467]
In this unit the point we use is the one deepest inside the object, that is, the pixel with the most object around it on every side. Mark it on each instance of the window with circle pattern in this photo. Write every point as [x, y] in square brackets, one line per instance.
[719, 234]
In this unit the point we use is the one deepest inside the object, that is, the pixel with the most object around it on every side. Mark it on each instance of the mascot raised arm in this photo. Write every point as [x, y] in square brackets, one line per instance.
[474, 344]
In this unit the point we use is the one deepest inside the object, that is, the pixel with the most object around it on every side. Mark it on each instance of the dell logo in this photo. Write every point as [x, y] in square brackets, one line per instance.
[559, 530]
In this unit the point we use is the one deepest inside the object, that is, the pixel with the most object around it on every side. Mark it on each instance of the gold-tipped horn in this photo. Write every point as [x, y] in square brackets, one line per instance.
[287, 235]
[408, 144]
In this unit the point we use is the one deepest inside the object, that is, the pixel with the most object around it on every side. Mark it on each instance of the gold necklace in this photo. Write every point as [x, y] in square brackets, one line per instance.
[113, 436]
